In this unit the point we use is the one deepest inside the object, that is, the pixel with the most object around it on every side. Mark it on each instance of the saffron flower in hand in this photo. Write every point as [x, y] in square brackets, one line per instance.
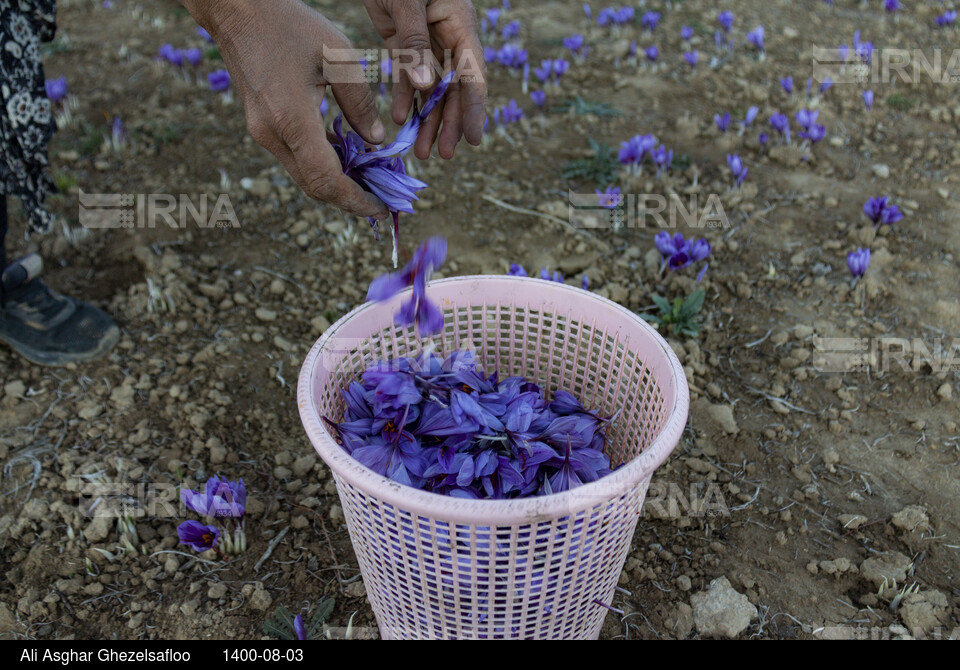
[418, 311]
[198, 536]
[382, 171]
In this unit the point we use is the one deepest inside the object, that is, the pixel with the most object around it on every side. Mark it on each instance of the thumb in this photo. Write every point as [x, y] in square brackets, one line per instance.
[410, 19]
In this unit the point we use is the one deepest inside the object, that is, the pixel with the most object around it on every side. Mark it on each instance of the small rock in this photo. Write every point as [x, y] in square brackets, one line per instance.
[684, 583]
[14, 389]
[304, 464]
[945, 392]
[890, 568]
[910, 518]
[259, 188]
[320, 323]
[336, 514]
[265, 314]
[881, 170]
[721, 610]
[925, 611]
[217, 591]
[260, 599]
[722, 415]
[851, 521]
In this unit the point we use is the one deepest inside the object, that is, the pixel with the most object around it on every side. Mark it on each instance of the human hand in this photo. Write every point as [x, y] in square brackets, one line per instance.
[274, 53]
[429, 28]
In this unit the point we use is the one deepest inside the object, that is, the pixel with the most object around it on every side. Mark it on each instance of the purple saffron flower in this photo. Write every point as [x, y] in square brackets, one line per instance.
[418, 310]
[511, 112]
[814, 133]
[677, 252]
[298, 628]
[751, 115]
[517, 270]
[324, 107]
[826, 84]
[858, 261]
[722, 121]
[686, 32]
[843, 51]
[56, 89]
[510, 30]
[864, 50]
[691, 58]
[510, 55]
[787, 85]
[868, 99]
[219, 80]
[624, 15]
[609, 198]
[650, 20]
[763, 138]
[220, 498]
[198, 536]
[737, 167]
[585, 284]
[880, 212]
[539, 98]
[587, 11]
[781, 124]
[946, 18]
[574, 44]
[544, 72]
[892, 5]
[725, 19]
[652, 53]
[560, 67]
[205, 35]
[807, 117]
[662, 158]
[755, 37]
[193, 56]
[493, 15]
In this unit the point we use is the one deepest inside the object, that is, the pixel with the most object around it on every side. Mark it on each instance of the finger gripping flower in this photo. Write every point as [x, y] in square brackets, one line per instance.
[382, 171]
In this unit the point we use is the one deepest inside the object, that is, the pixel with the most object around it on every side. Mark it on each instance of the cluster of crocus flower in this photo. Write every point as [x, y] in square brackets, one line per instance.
[442, 425]
[382, 171]
[575, 45]
[612, 16]
[677, 253]
[551, 70]
[223, 501]
[517, 270]
[881, 212]
[947, 18]
[637, 148]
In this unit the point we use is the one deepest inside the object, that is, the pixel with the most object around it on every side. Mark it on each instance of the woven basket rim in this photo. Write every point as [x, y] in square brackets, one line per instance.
[511, 512]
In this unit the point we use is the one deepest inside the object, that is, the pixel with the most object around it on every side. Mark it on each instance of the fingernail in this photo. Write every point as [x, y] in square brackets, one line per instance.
[377, 131]
[422, 76]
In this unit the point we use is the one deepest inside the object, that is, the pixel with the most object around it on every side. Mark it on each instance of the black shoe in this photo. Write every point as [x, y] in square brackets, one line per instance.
[48, 328]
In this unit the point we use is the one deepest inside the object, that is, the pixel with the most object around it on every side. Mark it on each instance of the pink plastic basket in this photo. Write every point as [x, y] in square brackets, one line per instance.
[442, 567]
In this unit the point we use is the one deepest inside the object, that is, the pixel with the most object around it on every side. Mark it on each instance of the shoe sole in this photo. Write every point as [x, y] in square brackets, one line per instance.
[59, 359]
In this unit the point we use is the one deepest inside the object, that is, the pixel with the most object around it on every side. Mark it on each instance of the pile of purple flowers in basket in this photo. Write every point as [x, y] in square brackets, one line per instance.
[442, 425]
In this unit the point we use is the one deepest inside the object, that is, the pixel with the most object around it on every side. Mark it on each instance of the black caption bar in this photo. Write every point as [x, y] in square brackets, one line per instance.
[77, 653]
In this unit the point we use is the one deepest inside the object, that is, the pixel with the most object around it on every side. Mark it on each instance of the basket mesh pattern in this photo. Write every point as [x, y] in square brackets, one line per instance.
[531, 568]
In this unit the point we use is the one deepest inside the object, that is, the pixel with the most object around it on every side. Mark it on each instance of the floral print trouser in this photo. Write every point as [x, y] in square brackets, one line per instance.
[26, 119]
